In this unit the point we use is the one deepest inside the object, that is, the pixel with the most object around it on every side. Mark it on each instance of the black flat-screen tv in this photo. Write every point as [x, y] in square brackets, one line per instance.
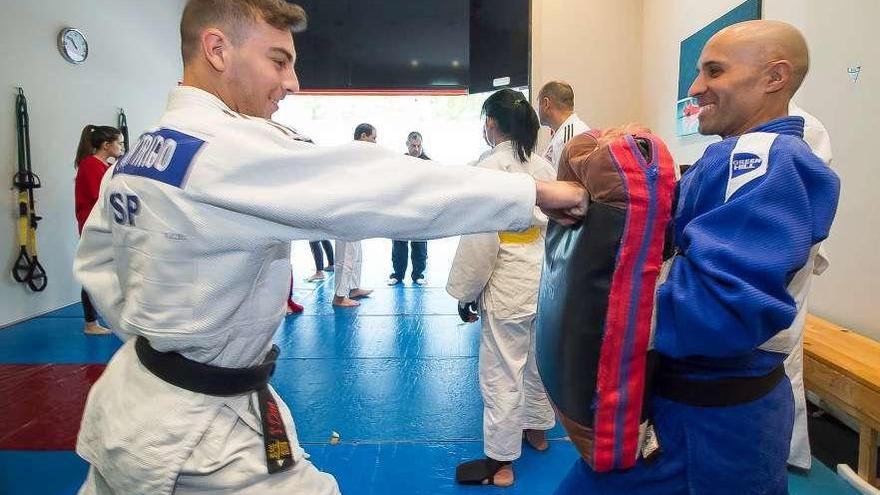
[413, 45]
[500, 44]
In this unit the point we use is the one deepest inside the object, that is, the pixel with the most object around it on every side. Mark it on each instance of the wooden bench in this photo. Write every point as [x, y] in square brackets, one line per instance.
[843, 369]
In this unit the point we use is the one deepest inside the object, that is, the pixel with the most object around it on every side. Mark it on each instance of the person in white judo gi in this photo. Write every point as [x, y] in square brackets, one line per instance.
[816, 136]
[556, 110]
[349, 253]
[499, 273]
[187, 256]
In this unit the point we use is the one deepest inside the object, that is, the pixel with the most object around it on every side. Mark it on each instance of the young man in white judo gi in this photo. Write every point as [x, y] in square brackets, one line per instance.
[187, 256]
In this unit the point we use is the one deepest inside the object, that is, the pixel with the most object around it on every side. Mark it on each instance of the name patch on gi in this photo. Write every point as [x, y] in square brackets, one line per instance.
[749, 160]
[164, 155]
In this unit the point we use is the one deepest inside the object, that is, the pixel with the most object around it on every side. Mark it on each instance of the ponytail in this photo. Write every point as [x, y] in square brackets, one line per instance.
[92, 137]
[515, 118]
[524, 129]
[85, 144]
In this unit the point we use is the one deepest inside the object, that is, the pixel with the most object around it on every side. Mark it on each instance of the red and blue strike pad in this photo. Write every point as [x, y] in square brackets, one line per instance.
[597, 292]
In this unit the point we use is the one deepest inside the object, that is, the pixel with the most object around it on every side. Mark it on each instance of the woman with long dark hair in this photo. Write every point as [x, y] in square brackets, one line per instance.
[499, 274]
[98, 144]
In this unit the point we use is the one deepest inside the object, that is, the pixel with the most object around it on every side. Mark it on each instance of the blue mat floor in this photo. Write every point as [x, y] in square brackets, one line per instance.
[396, 378]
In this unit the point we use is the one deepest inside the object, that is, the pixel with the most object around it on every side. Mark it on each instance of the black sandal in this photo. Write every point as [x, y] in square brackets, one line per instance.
[479, 472]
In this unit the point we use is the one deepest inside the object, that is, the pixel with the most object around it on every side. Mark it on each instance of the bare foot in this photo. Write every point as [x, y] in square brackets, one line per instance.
[504, 476]
[359, 293]
[93, 328]
[537, 439]
[344, 302]
[319, 275]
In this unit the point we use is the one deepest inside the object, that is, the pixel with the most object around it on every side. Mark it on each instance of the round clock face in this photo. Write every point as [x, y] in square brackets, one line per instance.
[73, 46]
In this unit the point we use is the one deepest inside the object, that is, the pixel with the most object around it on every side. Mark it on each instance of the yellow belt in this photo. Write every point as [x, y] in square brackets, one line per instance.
[527, 236]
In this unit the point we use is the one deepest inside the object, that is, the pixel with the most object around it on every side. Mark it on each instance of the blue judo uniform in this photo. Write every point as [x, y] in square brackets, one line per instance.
[748, 213]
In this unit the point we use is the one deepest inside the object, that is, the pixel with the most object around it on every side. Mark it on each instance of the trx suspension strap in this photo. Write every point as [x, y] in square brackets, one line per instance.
[122, 124]
[27, 268]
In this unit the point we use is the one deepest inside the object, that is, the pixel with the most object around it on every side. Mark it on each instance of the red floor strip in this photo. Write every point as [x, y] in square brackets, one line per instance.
[42, 405]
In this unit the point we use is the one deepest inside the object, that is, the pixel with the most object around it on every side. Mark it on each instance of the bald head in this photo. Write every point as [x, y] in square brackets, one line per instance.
[555, 103]
[559, 93]
[768, 42]
[748, 73]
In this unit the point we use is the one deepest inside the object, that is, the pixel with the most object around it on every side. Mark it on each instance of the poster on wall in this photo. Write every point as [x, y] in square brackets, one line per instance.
[686, 108]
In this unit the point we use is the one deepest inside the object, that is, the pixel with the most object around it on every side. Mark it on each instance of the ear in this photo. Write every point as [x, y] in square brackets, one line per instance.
[779, 75]
[216, 48]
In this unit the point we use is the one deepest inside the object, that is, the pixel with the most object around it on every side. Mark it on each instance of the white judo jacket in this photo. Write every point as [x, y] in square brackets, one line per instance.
[502, 270]
[189, 246]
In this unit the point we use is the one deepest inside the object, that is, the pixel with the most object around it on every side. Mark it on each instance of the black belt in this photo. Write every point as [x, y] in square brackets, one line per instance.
[722, 392]
[203, 378]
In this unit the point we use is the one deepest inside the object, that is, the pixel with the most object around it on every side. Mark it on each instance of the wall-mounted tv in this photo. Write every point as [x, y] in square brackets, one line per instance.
[413, 45]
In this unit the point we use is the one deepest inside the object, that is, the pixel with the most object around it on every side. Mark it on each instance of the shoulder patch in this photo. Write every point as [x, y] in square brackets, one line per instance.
[749, 160]
[164, 155]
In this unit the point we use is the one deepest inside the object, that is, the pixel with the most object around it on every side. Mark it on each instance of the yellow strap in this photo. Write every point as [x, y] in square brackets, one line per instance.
[527, 236]
[23, 219]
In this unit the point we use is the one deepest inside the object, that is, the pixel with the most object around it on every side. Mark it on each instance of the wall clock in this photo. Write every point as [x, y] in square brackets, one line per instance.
[73, 45]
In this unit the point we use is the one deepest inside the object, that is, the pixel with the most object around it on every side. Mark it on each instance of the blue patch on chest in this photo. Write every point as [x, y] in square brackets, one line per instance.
[164, 155]
[743, 163]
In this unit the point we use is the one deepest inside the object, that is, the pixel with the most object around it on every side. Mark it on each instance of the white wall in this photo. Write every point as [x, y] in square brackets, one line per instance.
[134, 60]
[840, 34]
[595, 46]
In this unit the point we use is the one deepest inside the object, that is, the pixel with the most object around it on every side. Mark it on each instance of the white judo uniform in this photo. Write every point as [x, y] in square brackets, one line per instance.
[571, 127]
[502, 271]
[816, 136]
[189, 247]
[347, 274]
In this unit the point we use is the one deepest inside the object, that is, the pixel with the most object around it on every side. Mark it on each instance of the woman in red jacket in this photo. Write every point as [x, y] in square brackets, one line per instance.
[97, 145]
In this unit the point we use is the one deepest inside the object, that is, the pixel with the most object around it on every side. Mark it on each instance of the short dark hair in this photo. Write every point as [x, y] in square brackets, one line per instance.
[560, 93]
[414, 134]
[234, 16]
[363, 129]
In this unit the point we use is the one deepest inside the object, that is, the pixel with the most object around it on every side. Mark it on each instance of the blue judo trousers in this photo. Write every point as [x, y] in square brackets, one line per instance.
[748, 213]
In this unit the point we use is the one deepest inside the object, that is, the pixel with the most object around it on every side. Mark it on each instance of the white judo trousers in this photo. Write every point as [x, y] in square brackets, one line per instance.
[189, 247]
[348, 267]
[228, 458]
[514, 398]
[503, 271]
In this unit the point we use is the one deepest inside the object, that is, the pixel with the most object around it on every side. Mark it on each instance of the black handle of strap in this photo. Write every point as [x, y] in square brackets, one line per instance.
[36, 276]
[22, 266]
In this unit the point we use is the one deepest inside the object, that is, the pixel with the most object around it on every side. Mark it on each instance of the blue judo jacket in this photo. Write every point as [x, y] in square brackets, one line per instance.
[748, 213]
